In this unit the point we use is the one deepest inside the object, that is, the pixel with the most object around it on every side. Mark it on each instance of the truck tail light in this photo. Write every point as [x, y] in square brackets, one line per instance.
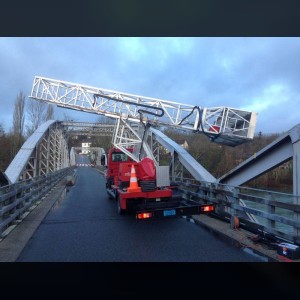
[207, 208]
[144, 215]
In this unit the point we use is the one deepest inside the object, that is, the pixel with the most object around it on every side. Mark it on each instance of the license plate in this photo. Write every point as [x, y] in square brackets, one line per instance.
[169, 212]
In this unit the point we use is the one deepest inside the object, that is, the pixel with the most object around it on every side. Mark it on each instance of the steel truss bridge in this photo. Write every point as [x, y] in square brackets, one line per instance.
[137, 119]
[44, 159]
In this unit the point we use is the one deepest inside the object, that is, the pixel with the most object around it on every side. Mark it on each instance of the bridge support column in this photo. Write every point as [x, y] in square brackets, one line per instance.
[296, 181]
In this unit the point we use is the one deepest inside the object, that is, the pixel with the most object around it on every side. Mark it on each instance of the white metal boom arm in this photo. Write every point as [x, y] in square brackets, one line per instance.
[223, 125]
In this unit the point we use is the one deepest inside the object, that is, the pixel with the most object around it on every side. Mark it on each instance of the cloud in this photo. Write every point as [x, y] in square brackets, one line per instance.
[270, 98]
[132, 49]
[154, 53]
[260, 74]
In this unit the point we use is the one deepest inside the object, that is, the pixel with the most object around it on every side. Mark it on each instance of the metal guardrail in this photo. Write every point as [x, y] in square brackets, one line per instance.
[278, 213]
[17, 198]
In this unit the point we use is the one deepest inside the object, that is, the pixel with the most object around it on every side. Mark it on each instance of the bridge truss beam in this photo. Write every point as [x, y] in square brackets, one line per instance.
[284, 148]
[89, 129]
[45, 151]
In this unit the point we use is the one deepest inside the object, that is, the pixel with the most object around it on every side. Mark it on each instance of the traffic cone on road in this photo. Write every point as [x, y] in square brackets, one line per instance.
[133, 184]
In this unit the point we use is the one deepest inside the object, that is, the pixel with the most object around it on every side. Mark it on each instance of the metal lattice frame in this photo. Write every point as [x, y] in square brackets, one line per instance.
[90, 129]
[176, 168]
[45, 151]
[224, 125]
[154, 146]
[126, 135]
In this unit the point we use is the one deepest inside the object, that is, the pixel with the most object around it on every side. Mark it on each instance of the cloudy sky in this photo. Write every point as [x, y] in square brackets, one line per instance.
[257, 74]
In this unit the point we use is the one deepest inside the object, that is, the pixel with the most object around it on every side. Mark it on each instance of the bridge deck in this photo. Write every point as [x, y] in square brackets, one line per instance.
[85, 226]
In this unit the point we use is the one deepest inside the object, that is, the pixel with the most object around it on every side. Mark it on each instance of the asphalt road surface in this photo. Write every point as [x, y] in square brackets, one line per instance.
[85, 227]
[82, 159]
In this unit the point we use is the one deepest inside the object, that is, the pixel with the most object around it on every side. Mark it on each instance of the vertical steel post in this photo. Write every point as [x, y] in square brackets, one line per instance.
[296, 181]
[233, 211]
[271, 210]
[172, 168]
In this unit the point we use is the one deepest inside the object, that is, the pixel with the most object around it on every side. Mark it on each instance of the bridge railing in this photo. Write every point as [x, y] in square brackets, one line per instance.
[16, 199]
[278, 214]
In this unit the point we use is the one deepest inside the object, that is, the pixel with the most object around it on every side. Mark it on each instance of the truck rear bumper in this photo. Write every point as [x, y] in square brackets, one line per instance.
[172, 209]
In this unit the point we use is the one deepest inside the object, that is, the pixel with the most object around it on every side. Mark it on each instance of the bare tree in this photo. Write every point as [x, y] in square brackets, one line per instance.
[19, 114]
[49, 113]
[38, 113]
[2, 131]
[4, 150]
[17, 138]
[35, 112]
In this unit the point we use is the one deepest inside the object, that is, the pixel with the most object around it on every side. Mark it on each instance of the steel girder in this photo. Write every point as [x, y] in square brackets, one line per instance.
[195, 168]
[45, 151]
[284, 148]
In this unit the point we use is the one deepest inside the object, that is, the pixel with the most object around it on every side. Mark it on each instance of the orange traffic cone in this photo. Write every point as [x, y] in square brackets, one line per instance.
[133, 184]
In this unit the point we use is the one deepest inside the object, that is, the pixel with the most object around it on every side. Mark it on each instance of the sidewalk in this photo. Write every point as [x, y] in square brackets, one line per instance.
[239, 238]
[17, 236]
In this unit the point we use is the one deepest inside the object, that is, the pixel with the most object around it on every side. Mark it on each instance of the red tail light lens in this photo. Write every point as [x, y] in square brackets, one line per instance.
[144, 215]
[207, 208]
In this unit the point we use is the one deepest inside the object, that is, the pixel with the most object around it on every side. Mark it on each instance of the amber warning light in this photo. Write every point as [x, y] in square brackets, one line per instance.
[144, 215]
[207, 208]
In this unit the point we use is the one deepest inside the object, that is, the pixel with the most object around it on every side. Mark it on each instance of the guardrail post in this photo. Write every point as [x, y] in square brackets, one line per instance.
[220, 199]
[15, 198]
[210, 195]
[233, 211]
[18, 196]
[296, 181]
[297, 216]
[271, 210]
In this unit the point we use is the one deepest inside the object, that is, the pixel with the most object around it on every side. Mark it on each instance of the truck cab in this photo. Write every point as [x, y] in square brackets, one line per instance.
[115, 158]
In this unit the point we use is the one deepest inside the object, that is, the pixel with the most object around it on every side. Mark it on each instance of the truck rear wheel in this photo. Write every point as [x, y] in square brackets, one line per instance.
[120, 210]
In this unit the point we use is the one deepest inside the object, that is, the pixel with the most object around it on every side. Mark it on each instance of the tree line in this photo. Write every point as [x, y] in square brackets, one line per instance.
[28, 115]
[220, 159]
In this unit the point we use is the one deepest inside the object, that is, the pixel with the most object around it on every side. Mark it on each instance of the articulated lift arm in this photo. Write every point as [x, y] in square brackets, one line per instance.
[222, 125]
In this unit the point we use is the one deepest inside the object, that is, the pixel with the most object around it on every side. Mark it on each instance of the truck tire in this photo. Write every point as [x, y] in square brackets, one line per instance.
[120, 210]
[110, 197]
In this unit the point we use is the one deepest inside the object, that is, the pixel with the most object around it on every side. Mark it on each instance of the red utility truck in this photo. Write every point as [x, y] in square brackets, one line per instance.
[134, 186]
